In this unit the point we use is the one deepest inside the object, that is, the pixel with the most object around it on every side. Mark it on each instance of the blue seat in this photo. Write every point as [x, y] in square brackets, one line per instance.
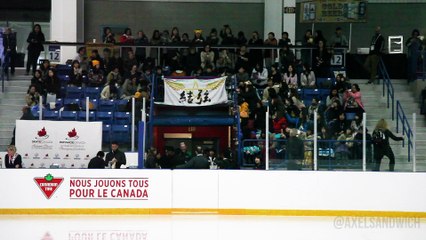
[106, 133]
[51, 115]
[71, 104]
[120, 133]
[82, 116]
[106, 105]
[121, 105]
[310, 93]
[92, 92]
[324, 94]
[300, 92]
[122, 118]
[74, 92]
[105, 117]
[324, 82]
[93, 105]
[69, 115]
[58, 105]
[350, 116]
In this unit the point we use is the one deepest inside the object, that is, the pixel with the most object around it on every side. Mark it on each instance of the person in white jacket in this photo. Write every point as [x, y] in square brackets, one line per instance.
[307, 78]
[259, 76]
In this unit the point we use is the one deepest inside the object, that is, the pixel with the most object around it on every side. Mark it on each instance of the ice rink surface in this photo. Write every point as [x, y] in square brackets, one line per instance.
[205, 227]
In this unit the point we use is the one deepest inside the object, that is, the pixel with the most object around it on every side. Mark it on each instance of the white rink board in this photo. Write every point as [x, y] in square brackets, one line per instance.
[220, 189]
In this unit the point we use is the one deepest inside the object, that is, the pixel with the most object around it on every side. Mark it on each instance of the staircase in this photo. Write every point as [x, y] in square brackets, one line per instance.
[376, 108]
[11, 102]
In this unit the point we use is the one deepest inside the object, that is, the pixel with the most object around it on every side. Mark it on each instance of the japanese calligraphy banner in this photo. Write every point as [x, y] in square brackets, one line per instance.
[194, 92]
[333, 11]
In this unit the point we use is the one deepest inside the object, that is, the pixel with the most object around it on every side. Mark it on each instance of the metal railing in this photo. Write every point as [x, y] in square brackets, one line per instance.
[387, 87]
[406, 129]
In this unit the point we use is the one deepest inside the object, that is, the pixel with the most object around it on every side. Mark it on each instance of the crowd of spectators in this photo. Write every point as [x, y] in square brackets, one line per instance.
[268, 77]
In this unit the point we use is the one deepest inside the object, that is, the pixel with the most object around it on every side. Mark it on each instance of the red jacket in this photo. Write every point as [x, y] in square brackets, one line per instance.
[279, 123]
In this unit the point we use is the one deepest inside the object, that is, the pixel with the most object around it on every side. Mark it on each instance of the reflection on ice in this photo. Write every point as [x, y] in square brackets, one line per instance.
[188, 227]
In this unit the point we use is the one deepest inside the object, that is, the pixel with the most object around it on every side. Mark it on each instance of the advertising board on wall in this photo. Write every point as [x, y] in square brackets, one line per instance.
[66, 144]
[333, 11]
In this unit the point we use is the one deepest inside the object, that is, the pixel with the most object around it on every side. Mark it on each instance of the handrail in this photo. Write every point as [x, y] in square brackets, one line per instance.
[400, 115]
[390, 93]
[406, 129]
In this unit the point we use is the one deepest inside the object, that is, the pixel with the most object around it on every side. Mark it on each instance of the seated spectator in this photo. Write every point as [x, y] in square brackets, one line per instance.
[185, 39]
[339, 126]
[109, 92]
[32, 97]
[260, 116]
[12, 159]
[108, 61]
[207, 57]
[192, 61]
[198, 37]
[290, 77]
[213, 39]
[76, 75]
[332, 97]
[344, 148]
[241, 38]
[134, 72]
[275, 75]
[114, 77]
[356, 124]
[96, 77]
[175, 36]
[318, 37]
[259, 76]
[242, 75]
[227, 36]
[333, 111]
[224, 60]
[279, 124]
[39, 83]
[126, 37]
[308, 79]
[342, 84]
[130, 61]
[108, 36]
[208, 71]
[44, 68]
[81, 54]
[249, 95]
[266, 92]
[278, 106]
[296, 151]
[287, 57]
[324, 135]
[315, 106]
[284, 41]
[243, 59]
[94, 56]
[258, 163]
[294, 96]
[53, 84]
[352, 98]
[130, 87]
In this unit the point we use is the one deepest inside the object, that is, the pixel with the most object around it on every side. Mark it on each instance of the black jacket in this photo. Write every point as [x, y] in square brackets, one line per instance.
[96, 162]
[119, 155]
[35, 41]
[16, 161]
[9, 41]
[198, 162]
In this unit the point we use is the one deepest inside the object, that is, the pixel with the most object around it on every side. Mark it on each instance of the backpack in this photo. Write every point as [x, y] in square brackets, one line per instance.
[378, 137]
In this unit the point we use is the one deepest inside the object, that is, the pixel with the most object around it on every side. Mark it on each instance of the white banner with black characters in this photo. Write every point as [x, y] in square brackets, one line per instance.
[194, 92]
[67, 144]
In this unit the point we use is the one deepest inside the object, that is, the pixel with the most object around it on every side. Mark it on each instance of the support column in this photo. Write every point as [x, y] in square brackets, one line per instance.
[273, 16]
[289, 20]
[63, 26]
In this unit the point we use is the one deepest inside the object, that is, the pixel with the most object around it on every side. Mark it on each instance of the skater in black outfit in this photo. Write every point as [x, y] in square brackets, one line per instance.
[381, 144]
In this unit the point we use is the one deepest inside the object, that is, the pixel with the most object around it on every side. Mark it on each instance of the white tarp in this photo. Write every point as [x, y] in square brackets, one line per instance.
[68, 144]
[194, 92]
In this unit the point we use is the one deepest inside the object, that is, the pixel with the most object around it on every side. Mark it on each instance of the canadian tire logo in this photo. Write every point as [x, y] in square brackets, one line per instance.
[48, 184]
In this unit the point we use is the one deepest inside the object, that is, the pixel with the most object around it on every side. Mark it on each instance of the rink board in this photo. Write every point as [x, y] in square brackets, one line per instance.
[234, 192]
